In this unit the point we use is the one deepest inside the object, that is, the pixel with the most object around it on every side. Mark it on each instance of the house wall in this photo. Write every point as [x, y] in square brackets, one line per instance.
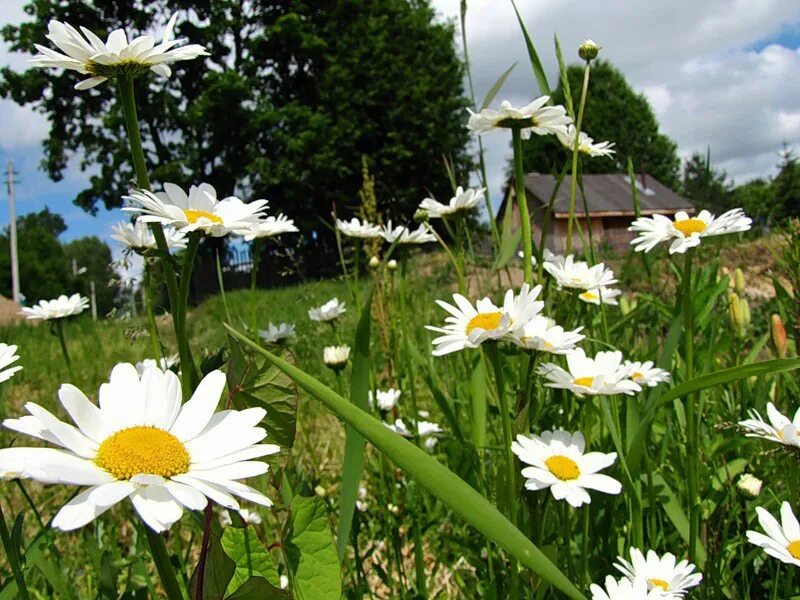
[610, 231]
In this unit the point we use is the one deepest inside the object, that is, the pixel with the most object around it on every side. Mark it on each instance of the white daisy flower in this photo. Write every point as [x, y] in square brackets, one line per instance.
[586, 145]
[749, 484]
[272, 226]
[522, 307]
[779, 429]
[59, 308]
[602, 375]
[250, 517]
[8, 356]
[468, 326]
[199, 210]
[329, 311]
[536, 117]
[644, 373]
[142, 443]
[336, 357]
[604, 294]
[404, 235]
[660, 572]
[87, 54]
[624, 589]
[577, 274]
[361, 503]
[275, 333]
[386, 400]
[464, 200]
[425, 429]
[138, 236]
[541, 333]
[357, 229]
[782, 540]
[685, 231]
[557, 461]
[165, 363]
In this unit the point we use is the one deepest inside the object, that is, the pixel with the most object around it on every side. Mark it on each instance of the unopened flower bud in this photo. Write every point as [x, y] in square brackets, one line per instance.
[749, 485]
[421, 216]
[335, 357]
[738, 280]
[588, 50]
[739, 311]
[320, 491]
[392, 264]
[374, 262]
[778, 333]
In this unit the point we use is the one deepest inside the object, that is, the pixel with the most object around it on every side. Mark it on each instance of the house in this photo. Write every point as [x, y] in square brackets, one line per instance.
[610, 202]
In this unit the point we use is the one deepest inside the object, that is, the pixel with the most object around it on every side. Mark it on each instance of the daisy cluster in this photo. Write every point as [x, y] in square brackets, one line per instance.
[355, 228]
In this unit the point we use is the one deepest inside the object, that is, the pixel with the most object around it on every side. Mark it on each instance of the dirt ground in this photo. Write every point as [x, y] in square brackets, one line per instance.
[9, 311]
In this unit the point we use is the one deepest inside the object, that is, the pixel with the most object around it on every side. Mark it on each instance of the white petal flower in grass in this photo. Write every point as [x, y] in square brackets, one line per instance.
[386, 399]
[684, 231]
[674, 579]
[358, 229]
[276, 333]
[141, 443]
[138, 236]
[586, 145]
[469, 326]
[86, 53]
[404, 235]
[602, 294]
[250, 517]
[543, 334]
[199, 210]
[644, 373]
[165, 363]
[271, 227]
[624, 589]
[8, 356]
[336, 357]
[782, 540]
[522, 307]
[557, 461]
[61, 307]
[750, 485]
[537, 117]
[602, 375]
[577, 274]
[329, 311]
[425, 429]
[779, 429]
[464, 200]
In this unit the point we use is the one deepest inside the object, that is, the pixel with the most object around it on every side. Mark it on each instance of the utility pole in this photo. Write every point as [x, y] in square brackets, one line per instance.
[12, 233]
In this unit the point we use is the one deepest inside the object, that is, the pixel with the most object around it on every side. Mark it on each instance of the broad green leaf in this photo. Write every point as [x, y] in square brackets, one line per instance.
[672, 507]
[107, 585]
[478, 384]
[354, 441]
[310, 551]
[219, 570]
[496, 86]
[509, 244]
[442, 483]
[259, 588]
[536, 64]
[250, 557]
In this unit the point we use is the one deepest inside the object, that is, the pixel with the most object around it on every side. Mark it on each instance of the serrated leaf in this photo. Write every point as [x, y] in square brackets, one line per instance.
[250, 557]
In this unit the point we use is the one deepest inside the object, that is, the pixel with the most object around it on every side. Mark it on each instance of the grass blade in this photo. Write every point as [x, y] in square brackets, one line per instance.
[536, 64]
[496, 86]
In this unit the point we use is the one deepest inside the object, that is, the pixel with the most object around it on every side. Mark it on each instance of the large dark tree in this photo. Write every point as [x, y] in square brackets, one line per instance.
[616, 113]
[291, 97]
[93, 258]
[786, 185]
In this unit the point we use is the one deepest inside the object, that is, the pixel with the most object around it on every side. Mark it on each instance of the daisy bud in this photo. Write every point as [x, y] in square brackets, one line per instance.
[738, 281]
[320, 491]
[392, 264]
[749, 485]
[421, 216]
[374, 262]
[779, 339]
[588, 50]
[335, 357]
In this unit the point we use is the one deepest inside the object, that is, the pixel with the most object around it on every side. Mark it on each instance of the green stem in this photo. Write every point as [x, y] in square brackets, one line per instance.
[59, 326]
[150, 311]
[13, 558]
[179, 313]
[573, 183]
[222, 289]
[256, 260]
[158, 549]
[522, 200]
[692, 431]
[462, 286]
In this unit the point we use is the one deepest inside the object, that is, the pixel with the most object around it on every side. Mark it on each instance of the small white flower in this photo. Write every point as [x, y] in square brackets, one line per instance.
[392, 264]
[138, 236]
[662, 573]
[557, 461]
[570, 273]
[602, 375]
[464, 200]
[89, 55]
[248, 516]
[329, 311]
[8, 356]
[275, 333]
[425, 429]
[165, 363]
[387, 400]
[361, 503]
[374, 262]
[624, 589]
[59, 308]
[536, 117]
[749, 484]
[336, 357]
[284, 581]
[357, 229]
[644, 373]
[271, 226]
[199, 210]
[779, 429]
[782, 540]
[403, 235]
[586, 145]
[541, 333]
[604, 294]
[685, 231]
[468, 326]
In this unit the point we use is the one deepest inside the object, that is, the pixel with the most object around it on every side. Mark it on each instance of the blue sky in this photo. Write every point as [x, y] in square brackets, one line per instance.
[724, 73]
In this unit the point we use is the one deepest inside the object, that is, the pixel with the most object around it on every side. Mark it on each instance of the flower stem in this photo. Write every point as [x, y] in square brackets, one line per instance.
[692, 430]
[158, 550]
[221, 284]
[59, 327]
[256, 260]
[204, 545]
[573, 183]
[13, 558]
[522, 200]
[150, 311]
[179, 313]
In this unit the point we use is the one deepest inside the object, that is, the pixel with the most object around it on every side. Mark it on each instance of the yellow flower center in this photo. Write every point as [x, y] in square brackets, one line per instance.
[584, 381]
[547, 346]
[485, 321]
[659, 583]
[193, 216]
[591, 296]
[794, 549]
[637, 376]
[563, 467]
[690, 226]
[142, 450]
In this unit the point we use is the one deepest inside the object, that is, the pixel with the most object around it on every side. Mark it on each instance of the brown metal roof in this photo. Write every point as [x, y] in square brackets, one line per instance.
[606, 195]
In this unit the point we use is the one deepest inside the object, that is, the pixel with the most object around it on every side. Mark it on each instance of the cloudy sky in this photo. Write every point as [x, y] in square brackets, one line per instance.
[719, 73]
